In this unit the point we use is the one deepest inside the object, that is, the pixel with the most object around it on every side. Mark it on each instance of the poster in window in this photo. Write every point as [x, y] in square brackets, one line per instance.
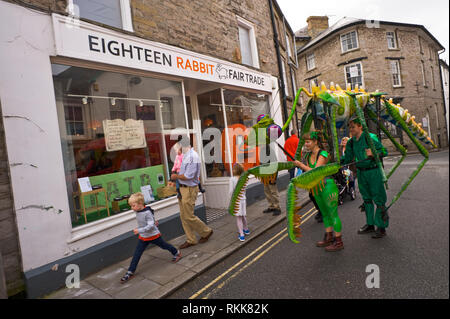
[123, 135]
[145, 112]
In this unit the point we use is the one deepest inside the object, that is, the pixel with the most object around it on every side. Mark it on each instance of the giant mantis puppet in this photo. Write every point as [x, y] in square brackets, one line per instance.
[331, 108]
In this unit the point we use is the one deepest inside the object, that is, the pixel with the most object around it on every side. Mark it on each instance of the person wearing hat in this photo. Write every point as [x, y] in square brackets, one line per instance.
[370, 181]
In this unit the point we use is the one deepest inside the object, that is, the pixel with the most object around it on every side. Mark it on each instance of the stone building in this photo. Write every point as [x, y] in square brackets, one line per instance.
[76, 75]
[398, 58]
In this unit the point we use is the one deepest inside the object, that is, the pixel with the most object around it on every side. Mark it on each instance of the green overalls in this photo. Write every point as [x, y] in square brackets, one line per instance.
[327, 199]
[370, 181]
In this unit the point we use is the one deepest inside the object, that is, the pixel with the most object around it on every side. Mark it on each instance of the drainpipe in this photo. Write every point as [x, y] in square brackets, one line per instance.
[443, 93]
[280, 67]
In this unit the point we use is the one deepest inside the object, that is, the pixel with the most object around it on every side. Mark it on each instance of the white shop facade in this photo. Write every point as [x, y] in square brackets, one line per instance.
[66, 89]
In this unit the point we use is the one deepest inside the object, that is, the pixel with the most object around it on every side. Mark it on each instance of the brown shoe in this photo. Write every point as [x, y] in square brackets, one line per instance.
[205, 239]
[337, 245]
[186, 245]
[327, 240]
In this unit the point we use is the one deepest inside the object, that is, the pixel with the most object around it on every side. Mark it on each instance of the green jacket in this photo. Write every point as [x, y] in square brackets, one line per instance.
[356, 151]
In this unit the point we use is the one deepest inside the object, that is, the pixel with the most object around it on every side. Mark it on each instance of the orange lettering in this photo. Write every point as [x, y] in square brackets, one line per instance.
[202, 67]
[188, 64]
[179, 62]
[195, 65]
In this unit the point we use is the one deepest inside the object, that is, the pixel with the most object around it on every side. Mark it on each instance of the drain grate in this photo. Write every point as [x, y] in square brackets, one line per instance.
[214, 213]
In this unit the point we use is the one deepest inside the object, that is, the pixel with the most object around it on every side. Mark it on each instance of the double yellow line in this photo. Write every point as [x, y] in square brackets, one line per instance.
[311, 212]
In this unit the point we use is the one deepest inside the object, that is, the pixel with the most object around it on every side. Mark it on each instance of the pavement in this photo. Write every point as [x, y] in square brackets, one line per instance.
[157, 276]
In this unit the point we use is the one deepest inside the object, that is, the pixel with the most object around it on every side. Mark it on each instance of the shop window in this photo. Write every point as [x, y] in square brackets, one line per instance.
[242, 111]
[238, 113]
[354, 75]
[114, 138]
[116, 13]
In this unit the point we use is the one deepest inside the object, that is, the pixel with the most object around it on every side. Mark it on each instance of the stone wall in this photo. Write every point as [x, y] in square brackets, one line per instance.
[9, 241]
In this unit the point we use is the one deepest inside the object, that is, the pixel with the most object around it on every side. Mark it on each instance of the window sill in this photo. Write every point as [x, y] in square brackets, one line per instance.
[398, 87]
[349, 51]
[393, 49]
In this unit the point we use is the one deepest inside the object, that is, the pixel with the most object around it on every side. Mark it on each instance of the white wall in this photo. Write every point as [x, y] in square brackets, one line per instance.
[33, 137]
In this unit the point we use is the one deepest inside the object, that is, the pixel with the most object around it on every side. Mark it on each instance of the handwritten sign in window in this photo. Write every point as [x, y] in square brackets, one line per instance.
[123, 135]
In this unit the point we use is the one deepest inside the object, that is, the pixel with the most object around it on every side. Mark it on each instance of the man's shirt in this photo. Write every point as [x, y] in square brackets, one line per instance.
[190, 168]
[291, 146]
[357, 151]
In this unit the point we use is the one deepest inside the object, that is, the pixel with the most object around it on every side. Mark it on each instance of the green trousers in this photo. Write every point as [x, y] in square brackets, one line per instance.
[372, 190]
[327, 200]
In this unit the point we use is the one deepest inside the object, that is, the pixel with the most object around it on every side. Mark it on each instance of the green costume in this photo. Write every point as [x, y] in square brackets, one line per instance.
[370, 181]
[327, 198]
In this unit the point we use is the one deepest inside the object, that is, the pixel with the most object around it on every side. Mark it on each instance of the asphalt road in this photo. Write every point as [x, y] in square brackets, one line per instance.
[413, 259]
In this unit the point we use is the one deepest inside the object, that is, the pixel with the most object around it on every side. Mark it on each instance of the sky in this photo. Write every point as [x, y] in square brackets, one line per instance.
[434, 16]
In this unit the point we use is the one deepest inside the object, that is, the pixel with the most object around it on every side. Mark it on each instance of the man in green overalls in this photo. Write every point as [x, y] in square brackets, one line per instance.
[370, 181]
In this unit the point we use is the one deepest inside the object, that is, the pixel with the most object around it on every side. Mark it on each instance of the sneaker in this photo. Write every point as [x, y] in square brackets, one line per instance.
[246, 231]
[276, 212]
[129, 275]
[267, 210]
[176, 257]
[379, 233]
[241, 238]
[366, 229]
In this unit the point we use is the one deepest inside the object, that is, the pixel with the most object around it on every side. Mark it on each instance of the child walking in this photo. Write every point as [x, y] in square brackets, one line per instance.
[241, 220]
[148, 234]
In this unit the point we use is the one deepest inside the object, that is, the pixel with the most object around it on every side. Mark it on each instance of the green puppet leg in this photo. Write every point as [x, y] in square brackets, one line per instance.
[327, 200]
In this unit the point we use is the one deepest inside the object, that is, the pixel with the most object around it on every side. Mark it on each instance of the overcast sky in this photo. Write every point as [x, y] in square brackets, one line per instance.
[432, 14]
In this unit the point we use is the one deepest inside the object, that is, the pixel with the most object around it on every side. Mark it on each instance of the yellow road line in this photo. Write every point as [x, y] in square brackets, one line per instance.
[252, 261]
[243, 260]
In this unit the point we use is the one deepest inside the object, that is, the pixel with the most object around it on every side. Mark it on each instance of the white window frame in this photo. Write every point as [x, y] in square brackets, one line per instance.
[310, 66]
[357, 42]
[422, 66]
[288, 46]
[125, 13]
[294, 85]
[253, 45]
[433, 82]
[362, 73]
[394, 38]
[398, 74]
[283, 70]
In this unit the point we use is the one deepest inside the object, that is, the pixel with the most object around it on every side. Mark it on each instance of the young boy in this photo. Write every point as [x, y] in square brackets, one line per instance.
[148, 234]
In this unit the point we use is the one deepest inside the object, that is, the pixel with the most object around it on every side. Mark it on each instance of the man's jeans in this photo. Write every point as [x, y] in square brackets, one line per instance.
[141, 247]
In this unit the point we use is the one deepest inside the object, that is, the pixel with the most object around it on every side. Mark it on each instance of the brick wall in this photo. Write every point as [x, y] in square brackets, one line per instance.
[373, 48]
[9, 241]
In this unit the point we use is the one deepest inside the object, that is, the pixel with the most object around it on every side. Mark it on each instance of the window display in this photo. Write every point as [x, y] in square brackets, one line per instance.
[115, 130]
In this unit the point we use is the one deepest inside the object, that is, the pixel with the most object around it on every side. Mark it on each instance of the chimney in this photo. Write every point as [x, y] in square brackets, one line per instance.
[316, 24]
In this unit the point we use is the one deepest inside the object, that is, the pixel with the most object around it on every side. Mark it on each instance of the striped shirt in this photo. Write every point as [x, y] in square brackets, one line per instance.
[190, 168]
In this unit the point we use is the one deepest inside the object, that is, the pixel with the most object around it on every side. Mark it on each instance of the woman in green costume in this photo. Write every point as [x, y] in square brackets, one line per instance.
[326, 196]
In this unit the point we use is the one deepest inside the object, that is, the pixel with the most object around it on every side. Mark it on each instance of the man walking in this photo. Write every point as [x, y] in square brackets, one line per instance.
[189, 178]
[370, 181]
[290, 146]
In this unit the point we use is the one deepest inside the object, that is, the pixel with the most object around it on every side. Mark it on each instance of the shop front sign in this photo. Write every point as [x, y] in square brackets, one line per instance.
[82, 40]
